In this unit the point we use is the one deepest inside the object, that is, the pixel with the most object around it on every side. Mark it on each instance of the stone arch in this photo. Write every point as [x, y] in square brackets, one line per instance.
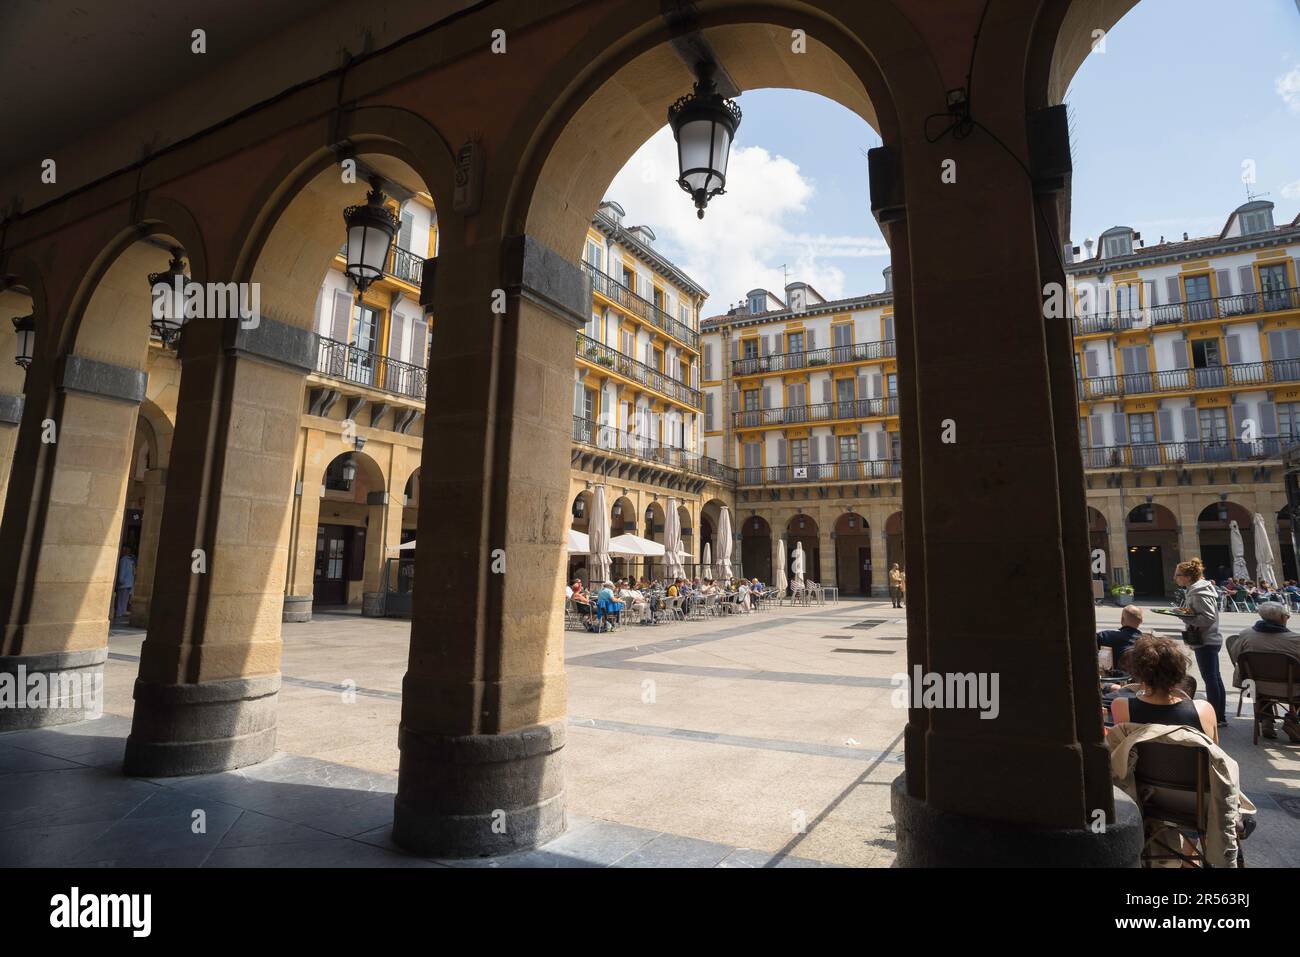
[1062, 40]
[756, 547]
[580, 510]
[1213, 535]
[1151, 532]
[352, 512]
[894, 554]
[802, 528]
[854, 571]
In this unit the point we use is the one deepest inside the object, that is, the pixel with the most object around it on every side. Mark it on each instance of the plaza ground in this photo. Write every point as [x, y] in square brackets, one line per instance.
[743, 741]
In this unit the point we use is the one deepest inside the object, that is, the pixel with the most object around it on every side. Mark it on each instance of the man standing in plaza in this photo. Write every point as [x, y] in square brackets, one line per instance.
[896, 585]
[124, 583]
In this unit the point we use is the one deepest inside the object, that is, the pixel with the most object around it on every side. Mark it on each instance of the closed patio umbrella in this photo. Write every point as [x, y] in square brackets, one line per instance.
[1239, 569]
[724, 544]
[673, 542]
[782, 582]
[1263, 553]
[598, 537]
[706, 563]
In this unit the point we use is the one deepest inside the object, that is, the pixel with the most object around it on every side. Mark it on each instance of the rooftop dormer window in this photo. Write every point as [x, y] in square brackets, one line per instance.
[1116, 244]
[1256, 221]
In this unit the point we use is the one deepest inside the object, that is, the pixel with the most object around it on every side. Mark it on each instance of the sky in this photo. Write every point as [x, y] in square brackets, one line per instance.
[1163, 118]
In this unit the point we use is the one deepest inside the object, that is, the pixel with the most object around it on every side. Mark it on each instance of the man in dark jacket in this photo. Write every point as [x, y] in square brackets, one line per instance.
[1269, 635]
[1120, 640]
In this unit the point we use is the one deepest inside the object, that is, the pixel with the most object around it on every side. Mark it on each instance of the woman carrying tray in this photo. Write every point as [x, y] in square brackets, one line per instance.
[1200, 613]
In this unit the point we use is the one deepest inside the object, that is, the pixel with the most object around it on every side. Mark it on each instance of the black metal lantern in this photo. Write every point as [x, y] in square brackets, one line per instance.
[371, 229]
[704, 125]
[349, 470]
[579, 506]
[25, 331]
[167, 290]
[618, 509]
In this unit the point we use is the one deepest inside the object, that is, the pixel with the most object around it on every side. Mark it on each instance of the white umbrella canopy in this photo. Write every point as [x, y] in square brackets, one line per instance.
[1239, 569]
[578, 542]
[1263, 553]
[724, 544]
[673, 542]
[782, 582]
[634, 546]
[706, 562]
[598, 537]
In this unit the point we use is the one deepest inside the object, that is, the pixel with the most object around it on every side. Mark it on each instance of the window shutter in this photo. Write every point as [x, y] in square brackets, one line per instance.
[873, 447]
[396, 333]
[1291, 343]
[762, 345]
[735, 349]
[1180, 353]
[404, 234]
[767, 397]
[830, 449]
[1234, 348]
[815, 449]
[1097, 429]
[887, 327]
[419, 342]
[780, 451]
[708, 361]
[1223, 280]
[826, 390]
[877, 380]
[1240, 413]
[708, 412]
[1268, 418]
[1246, 278]
[1120, 426]
[1148, 292]
[1090, 363]
[735, 400]
[864, 382]
[1191, 431]
[810, 341]
[1166, 425]
[342, 316]
[1174, 291]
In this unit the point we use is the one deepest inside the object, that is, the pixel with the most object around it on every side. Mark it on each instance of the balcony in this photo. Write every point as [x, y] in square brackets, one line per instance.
[338, 360]
[834, 355]
[813, 474]
[590, 433]
[1241, 375]
[600, 354]
[402, 264]
[1179, 454]
[821, 412]
[1199, 310]
[626, 299]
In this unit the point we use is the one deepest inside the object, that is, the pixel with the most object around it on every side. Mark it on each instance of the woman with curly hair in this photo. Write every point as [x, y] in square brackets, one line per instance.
[1160, 666]
[1202, 631]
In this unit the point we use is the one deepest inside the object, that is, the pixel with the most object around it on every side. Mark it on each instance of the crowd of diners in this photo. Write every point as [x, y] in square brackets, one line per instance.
[605, 606]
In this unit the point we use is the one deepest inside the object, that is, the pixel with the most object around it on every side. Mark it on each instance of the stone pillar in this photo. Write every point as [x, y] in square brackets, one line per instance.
[483, 700]
[210, 667]
[826, 545]
[11, 414]
[62, 527]
[1012, 778]
[146, 562]
[301, 577]
[879, 556]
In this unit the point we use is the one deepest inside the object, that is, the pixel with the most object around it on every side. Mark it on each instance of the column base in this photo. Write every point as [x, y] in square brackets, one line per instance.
[201, 728]
[480, 794]
[61, 687]
[931, 838]
[297, 608]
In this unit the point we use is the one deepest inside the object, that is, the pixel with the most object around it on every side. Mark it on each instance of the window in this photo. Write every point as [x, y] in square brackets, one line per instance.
[749, 349]
[895, 445]
[794, 342]
[1214, 425]
[756, 303]
[626, 342]
[593, 326]
[751, 400]
[683, 314]
[365, 336]
[844, 398]
[1272, 285]
[1141, 428]
[796, 394]
[595, 255]
[798, 452]
[1256, 221]
[1120, 244]
[842, 339]
[848, 448]
[659, 298]
[1288, 419]
[1196, 292]
[629, 277]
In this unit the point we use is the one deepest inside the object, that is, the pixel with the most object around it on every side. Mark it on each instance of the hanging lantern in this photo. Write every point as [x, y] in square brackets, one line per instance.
[371, 229]
[25, 332]
[579, 506]
[167, 290]
[349, 470]
[704, 125]
[618, 509]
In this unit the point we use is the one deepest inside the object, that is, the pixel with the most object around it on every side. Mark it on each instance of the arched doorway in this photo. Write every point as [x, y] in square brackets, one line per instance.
[349, 547]
[1214, 534]
[853, 569]
[579, 521]
[756, 548]
[1286, 543]
[684, 522]
[1152, 533]
[622, 521]
[894, 542]
[802, 529]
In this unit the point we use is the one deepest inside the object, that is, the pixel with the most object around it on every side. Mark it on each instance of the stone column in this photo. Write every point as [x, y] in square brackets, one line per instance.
[11, 414]
[146, 562]
[483, 700]
[62, 527]
[879, 556]
[1026, 753]
[826, 545]
[210, 667]
[301, 583]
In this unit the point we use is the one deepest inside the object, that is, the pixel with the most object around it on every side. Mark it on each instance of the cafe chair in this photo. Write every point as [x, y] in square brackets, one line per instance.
[1173, 782]
[1276, 682]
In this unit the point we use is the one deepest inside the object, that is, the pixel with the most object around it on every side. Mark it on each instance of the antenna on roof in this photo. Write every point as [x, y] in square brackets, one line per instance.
[785, 275]
[1251, 197]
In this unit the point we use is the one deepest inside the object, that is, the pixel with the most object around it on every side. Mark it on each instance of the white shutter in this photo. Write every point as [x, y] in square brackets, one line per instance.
[1246, 278]
[1098, 431]
[887, 327]
[780, 451]
[1120, 427]
[1090, 363]
[1191, 431]
[1149, 292]
[809, 341]
[342, 317]
[827, 395]
[1175, 292]
[1223, 280]
[1166, 417]
[1234, 348]
[877, 385]
[1179, 346]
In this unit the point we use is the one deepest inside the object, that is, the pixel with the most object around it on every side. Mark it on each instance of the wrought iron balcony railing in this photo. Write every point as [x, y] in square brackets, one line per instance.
[1196, 310]
[402, 264]
[1235, 376]
[833, 355]
[610, 358]
[1175, 454]
[616, 292]
[607, 438]
[819, 412]
[342, 361]
[814, 473]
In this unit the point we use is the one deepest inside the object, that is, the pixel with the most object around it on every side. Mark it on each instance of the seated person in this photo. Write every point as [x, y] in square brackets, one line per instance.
[1160, 666]
[608, 605]
[581, 600]
[1269, 634]
[1120, 640]
[634, 599]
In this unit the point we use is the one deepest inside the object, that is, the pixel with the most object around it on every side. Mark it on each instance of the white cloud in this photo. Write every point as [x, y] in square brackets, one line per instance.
[1288, 87]
[1291, 190]
[744, 239]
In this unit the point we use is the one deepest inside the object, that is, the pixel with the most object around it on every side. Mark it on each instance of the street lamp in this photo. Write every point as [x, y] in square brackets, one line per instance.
[371, 229]
[704, 124]
[168, 299]
[349, 470]
[25, 331]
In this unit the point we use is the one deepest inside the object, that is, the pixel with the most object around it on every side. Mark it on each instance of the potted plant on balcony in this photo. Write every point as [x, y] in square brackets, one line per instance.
[607, 361]
[817, 361]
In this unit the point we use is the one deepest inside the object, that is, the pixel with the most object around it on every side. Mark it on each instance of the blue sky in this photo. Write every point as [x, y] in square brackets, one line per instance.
[1184, 93]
